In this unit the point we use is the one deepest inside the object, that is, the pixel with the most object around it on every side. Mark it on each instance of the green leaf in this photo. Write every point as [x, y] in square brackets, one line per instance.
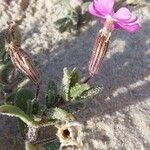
[2, 85]
[59, 22]
[14, 111]
[54, 145]
[74, 17]
[74, 77]
[23, 100]
[78, 89]
[35, 106]
[59, 114]
[78, 103]
[22, 127]
[84, 18]
[69, 80]
[66, 26]
[67, 5]
[4, 72]
[71, 86]
[63, 24]
[32, 107]
[22, 97]
[90, 93]
[52, 94]
[10, 99]
[50, 99]
[52, 86]
[84, 7]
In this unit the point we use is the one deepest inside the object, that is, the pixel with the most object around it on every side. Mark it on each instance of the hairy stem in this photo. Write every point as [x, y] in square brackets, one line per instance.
[31, 146]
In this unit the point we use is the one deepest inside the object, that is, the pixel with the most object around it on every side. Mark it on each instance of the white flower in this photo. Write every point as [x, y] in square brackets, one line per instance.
[70, 134]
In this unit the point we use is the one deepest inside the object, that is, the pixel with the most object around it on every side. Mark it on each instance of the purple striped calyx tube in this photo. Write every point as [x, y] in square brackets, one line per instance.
[100, 47]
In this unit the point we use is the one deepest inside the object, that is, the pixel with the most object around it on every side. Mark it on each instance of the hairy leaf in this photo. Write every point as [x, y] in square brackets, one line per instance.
[23, 100]
[84, 7]
[35, 106]
[59, 22]
[60, 114]
[74, 77]
[22, 97]
[78, 89]
[32, 107]
[52, 94]
[70, 79]
[10, 99]
[90, 93]
[4, 72]
[63, 24]
[15, 111]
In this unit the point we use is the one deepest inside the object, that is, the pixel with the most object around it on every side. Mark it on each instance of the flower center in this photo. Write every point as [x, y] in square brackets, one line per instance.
[66, 133]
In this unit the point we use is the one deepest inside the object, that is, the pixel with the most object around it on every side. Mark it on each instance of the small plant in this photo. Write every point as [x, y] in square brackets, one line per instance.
[40, 123]
[58, 108]
[76, 15]
[59, 104]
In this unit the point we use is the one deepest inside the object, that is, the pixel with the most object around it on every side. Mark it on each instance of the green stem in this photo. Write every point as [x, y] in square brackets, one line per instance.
[31, 146]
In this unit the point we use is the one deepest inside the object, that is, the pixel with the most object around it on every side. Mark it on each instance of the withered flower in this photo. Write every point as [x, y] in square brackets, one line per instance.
[70, 134]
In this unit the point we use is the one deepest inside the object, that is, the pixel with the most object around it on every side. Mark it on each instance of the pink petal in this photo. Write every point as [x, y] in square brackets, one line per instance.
[101, 8]
[132, 19]
[126, 20]
[105, 7]
[92, 10]
[115, 26]
[132, 27]
[123, 14]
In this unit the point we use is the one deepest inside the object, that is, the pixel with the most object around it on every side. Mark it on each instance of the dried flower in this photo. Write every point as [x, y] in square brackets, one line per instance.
[123, 18]
[70, 134]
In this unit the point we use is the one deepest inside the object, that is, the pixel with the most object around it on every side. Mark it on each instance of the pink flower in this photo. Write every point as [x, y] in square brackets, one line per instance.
[123, 18]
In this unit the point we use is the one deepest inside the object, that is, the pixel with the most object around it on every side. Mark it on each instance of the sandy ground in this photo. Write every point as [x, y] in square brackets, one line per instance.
[119, 117]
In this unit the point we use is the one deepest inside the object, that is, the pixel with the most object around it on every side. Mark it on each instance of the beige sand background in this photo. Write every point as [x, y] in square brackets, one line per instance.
[119, 117]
